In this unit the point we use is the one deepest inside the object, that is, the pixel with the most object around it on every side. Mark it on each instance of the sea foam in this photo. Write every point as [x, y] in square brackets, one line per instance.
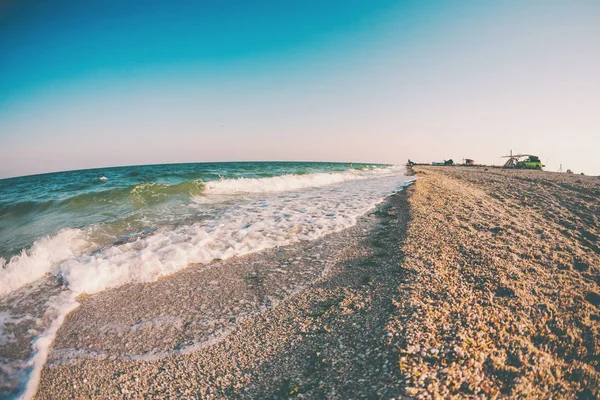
[292, 182]
[42, 258]
[60, 253]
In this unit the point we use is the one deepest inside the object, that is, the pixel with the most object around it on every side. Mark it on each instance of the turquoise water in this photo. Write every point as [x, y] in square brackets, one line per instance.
[132, 200]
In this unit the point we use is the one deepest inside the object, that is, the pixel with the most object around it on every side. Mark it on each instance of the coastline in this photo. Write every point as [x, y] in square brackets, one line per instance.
[467, 283]
[99, 351]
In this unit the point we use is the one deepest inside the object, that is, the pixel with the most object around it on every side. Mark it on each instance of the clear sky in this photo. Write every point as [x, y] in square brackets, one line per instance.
[99, 83]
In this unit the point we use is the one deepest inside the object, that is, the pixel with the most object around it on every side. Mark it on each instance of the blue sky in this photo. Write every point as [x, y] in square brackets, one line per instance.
[90, 84]
[55, 43]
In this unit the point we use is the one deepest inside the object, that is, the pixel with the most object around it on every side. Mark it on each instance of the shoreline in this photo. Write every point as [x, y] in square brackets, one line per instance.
[271, 212]
[466, 283]
[285, 277]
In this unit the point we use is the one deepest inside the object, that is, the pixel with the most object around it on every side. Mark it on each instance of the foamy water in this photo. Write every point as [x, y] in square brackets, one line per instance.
[228, 218]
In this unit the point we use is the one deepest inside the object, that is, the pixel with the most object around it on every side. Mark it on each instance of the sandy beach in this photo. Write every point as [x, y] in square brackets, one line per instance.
[471, 282]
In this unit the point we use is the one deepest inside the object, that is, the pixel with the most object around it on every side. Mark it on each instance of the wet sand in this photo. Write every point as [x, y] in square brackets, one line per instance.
[471, 282]
[300, 319]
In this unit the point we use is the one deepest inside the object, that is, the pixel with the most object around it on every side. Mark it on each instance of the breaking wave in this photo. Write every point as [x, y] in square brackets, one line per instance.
[291, 182]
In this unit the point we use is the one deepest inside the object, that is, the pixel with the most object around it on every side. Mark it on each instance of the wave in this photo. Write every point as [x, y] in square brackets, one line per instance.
[40, 259]
[45, 254]
[8, 211]
[136, 195]
[290, 182]
[74, 255]
[148, 193]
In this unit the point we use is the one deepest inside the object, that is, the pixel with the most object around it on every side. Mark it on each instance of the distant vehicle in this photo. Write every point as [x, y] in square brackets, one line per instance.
[468, 161]
[531, 162]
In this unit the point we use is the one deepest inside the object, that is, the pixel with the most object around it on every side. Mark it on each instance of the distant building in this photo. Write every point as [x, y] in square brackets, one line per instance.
[468, 161]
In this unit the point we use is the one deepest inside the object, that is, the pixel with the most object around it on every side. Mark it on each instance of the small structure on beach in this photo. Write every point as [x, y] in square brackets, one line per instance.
[445, 162]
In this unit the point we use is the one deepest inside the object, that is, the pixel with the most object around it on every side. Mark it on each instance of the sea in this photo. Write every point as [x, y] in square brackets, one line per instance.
[67, 234]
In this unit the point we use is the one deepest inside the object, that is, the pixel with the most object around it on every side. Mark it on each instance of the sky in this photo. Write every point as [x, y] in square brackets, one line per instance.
[87, 84]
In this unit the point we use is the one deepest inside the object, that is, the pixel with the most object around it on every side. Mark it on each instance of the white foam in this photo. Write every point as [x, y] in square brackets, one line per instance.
[58, 309]
[46, 254]
[241, 229]
[244, 228]
[42, 258]
[292, 182]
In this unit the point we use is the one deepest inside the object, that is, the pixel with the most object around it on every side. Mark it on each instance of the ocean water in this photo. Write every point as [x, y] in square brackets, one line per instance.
[69, 233]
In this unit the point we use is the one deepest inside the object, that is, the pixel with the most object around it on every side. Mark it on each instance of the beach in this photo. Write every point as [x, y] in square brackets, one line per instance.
[163, 260]
[470, 282]
[217, 200]
[504, 300]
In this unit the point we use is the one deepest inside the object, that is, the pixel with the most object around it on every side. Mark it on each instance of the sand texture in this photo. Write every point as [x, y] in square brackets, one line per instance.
[504, 296]
[470, 283]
